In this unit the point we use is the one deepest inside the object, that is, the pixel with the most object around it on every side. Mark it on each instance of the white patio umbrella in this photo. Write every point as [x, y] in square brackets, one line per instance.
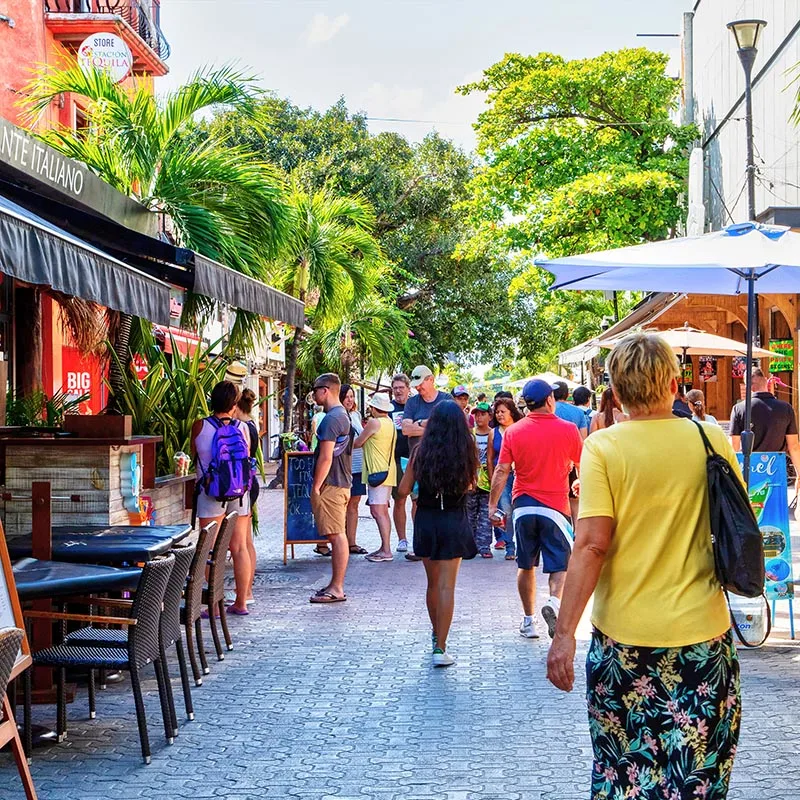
[688, 341]
[741, 258]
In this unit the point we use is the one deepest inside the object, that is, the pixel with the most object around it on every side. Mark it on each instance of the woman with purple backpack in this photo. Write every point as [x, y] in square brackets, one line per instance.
[221, 447]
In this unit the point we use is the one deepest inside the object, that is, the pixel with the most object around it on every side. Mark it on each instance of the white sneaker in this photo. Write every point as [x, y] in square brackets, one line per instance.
[550, 614]
[402, 546]
[442, 659]
[528, 629]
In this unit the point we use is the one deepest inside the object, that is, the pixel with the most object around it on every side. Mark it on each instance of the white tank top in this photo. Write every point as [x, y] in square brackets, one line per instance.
[202, 444]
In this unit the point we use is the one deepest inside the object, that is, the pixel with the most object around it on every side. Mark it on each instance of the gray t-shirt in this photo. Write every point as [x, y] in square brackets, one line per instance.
[417, 410]
[335, 427]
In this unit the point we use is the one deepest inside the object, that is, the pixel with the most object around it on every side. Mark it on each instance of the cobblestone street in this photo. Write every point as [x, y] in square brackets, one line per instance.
[341, 702]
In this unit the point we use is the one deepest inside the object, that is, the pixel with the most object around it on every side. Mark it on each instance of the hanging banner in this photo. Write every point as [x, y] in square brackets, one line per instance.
[708, 369]
[785, 361]
[768, 498]
[688, 373]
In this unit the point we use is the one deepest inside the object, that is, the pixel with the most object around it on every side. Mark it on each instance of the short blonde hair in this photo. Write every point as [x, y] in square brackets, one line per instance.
[641, 368]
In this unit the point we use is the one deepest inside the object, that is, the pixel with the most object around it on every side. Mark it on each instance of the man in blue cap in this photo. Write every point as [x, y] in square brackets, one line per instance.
[543, 450]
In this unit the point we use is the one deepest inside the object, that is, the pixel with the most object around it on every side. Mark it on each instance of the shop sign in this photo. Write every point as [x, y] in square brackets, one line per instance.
[768, 499]
[708, 369]
[82, 375]
[688, 373]
[785, 361]
[139, 366]
[106, 52]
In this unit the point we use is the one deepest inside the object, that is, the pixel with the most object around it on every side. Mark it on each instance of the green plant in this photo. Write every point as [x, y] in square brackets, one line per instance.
[171, 397]
[37, 410]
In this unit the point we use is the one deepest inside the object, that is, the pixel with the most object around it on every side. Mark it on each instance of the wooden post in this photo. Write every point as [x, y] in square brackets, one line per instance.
[42, 533]
[148, 465]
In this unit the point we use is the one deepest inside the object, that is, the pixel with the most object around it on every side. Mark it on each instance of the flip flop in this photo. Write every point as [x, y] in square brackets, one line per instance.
[324, 596]
[204, 614]
[238, 612]
[320, 552]
[375, 558]
[355, 550]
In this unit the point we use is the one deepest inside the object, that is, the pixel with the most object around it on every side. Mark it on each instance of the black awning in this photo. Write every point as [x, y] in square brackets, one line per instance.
[228, 286]
[163, 260]
[37, 251]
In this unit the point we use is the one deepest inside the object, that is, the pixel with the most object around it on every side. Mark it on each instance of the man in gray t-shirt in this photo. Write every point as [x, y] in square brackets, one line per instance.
[420, 407]
[330, 488]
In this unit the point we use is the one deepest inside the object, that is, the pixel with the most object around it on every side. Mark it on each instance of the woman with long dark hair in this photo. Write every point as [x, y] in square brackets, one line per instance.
[445, 467]
[609, 414]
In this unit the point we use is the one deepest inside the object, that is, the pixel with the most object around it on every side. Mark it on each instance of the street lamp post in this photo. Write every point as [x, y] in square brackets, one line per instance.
[747, 32]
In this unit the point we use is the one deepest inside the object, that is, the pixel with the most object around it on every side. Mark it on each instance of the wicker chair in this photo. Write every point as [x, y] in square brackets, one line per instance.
[169, 631]
[143, 647]
[214, 595]
[193, 606]
[10, 639]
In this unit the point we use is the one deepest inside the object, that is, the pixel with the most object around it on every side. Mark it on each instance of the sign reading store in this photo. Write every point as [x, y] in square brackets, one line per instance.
[106, 52]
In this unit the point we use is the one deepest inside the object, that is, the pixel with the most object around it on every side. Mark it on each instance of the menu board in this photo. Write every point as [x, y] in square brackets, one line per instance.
[10, 609]
[299, 527]
[784, 362]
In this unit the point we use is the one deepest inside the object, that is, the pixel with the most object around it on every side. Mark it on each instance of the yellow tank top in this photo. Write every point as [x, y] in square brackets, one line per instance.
[379, 452]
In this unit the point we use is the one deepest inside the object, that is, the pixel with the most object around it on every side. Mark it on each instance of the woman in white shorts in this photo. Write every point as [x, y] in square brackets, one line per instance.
[378, 440]
[223, 400]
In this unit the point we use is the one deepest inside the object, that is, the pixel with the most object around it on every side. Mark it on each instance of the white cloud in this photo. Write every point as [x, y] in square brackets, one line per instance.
[323, 28]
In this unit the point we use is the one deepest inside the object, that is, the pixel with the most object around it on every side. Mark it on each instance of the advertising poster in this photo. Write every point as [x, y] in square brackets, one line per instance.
[737, 366]
[785, 361]
[769, 502]
[688, 373]
[708, 369]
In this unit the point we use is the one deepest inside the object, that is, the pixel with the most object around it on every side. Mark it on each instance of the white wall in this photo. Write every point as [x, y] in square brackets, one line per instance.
[719, 83]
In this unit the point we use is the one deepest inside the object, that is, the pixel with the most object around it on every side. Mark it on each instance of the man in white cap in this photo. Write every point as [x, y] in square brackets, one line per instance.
[420, 407]
[380, 471]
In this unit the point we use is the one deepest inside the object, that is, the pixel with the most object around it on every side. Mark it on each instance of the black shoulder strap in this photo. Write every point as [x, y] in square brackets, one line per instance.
[709, 449]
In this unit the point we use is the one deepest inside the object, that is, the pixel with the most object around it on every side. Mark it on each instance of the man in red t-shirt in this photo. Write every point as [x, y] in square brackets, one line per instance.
[543, 450]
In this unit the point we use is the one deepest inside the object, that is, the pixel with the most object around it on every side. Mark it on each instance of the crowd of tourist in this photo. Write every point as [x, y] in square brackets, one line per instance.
[595, 497]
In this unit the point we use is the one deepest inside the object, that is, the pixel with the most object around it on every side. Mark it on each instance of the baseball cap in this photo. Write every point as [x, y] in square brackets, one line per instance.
[418, 374]
[536, 390]
[482, 407]
[460, 390]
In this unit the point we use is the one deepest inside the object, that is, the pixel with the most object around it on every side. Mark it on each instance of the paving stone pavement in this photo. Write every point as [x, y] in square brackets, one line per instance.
[340, 703]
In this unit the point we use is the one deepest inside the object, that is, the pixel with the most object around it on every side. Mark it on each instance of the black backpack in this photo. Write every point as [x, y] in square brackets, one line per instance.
[735, 537]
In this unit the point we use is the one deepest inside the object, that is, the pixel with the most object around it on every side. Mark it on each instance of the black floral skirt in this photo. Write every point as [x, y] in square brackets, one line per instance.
[664, 721]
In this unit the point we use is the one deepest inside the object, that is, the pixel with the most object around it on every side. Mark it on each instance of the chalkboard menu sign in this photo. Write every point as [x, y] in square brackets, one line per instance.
[10, 609]
[298, 526]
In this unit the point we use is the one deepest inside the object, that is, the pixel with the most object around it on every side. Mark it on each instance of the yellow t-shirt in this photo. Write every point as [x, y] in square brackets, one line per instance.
[379, 453]
[657, 586]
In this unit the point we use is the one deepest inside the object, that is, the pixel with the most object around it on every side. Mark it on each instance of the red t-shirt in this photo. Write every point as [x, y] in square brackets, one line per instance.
[542, 449]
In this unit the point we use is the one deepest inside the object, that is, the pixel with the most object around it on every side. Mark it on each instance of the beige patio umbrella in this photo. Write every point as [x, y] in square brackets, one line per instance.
[688, 341]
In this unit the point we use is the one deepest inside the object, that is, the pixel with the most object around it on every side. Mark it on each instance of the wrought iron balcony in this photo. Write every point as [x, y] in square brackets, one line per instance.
[71, 18]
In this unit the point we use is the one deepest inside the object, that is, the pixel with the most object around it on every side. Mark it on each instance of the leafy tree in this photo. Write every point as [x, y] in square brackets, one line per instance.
[331, 263]
[578, 156]
[221, 201]
[455, 304]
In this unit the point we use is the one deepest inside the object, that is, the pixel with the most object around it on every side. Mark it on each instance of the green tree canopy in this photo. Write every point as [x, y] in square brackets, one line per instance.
[577, 156]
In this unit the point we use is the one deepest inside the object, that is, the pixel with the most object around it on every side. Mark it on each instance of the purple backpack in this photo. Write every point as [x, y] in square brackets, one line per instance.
[230, 471]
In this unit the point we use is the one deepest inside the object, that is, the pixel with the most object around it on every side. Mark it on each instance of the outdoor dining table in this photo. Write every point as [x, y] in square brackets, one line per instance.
[98, 544]
[37, 579]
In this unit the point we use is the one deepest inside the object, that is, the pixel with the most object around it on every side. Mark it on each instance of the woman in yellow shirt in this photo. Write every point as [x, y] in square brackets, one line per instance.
[662, 671]
[378, 440]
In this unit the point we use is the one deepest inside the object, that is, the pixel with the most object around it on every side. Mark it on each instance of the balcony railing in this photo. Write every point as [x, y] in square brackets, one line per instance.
[141, 15]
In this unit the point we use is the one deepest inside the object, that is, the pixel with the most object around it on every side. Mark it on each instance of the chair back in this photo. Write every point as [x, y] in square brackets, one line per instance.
[197, 573]
[146, 610]
[171, 616]
[216, 572]
[10, 640]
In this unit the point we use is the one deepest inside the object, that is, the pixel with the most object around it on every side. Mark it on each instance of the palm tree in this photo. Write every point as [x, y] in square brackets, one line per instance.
[370, 332]
[332, 256]
[221, 201]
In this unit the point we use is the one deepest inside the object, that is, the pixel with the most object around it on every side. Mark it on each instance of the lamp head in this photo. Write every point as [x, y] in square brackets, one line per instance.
[747, 32]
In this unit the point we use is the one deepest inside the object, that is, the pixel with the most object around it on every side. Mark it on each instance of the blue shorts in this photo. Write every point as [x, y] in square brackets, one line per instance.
[540, 529]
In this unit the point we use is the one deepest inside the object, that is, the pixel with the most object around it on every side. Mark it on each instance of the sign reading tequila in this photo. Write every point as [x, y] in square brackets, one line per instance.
[106, 52]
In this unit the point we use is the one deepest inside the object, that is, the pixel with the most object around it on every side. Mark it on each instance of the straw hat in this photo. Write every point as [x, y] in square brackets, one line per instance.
[380, 401]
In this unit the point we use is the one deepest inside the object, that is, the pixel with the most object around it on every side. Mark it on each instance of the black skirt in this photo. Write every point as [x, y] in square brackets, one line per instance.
[443, 534]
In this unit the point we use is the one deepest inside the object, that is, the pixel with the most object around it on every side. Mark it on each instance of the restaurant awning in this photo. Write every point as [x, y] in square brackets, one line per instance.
[228, 286]
[37, 251]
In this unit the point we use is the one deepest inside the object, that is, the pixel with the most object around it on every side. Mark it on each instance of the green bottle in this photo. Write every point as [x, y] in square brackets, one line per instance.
[758, 499]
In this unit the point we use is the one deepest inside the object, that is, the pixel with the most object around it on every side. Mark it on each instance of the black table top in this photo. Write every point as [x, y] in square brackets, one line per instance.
[36, 579]
[117, 544]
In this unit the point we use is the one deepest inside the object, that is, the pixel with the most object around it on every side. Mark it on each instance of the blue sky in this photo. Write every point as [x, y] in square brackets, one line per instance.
[399, 59]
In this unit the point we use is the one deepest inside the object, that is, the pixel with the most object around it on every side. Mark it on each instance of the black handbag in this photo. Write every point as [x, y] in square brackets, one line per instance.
[376, 479]
[735, 537]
